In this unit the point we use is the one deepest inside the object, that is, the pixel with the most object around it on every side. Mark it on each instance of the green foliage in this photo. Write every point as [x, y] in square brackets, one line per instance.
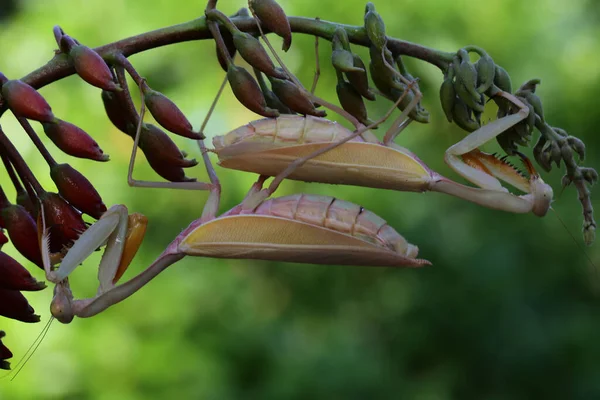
[508, 311]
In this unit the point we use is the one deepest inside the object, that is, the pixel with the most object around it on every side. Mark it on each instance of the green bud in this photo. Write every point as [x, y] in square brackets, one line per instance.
[462, 116]
[590, 175]
[577, 145]
[359, 79]
[502, 79]
[447, 96]
[343, 61]
[536, 102]
[374, 26]
[486, 71]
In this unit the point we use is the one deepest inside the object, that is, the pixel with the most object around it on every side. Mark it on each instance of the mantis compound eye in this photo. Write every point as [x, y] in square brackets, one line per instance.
[60, 308]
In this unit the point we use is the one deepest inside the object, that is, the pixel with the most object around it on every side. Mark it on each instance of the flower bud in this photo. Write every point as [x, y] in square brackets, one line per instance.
[5, 353]
[462, 116]
[448, 96]
[536, 102]
[590, 175]
[73, 140]
[77, 190]
[14, 276]
[486, 70]
[167, 114]
[228, 40]
[374, 26]
[255, 54]
[247, 91]
[343, 61]
[24, 200]
[92, 68]
[24, 101]
[359, 79]
[273, 17]
[63, 221]
[577, 145]
[502, 79]
[274, 102]
[22, 230]
[352, 102]
[117, 114]
[163, 155]
[294, 98]
[14, 305]
[565, 181]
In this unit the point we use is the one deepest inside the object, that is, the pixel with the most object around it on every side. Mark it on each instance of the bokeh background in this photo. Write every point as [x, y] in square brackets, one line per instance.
[509, 310]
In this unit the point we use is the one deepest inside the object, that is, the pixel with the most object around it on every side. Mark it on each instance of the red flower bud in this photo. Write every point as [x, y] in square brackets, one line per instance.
[255, 54]
[92, 68]
[24, 200]
[117, 114]
[167, 114]
[22, 230]
[24, 101]
[294, 98]
[272, 16]
[14, 305]
[5, 353]
[73, 140]
[63, 221]
[228, 40]
[163, 155]
[14, 276]
[247, 91]
[77, 190]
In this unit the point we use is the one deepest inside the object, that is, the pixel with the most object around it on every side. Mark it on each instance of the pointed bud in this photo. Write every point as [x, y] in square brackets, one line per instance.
[502, 79]
[24, 101]
[359, 79]
[255, 54]
[228, 40]
[92, 68]
[14, 305]
[163, 155]
[343, 61]
[247, 91]
[577, 145]
[448, 96]
[77, 190]
[63, 221]
[374, 26]
[14, 276]
[5, 353]
[73, 140]
[352, 102]
[115, 111]
[486, 70]
[273, 17]
[22, 230]
[590, 175]
[294, 98]
[167, 114]
[274, 102]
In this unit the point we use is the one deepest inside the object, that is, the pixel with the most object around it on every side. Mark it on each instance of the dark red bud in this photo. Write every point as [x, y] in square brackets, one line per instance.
[163, 155]
[73, 140]
[14, 276]
[24, 101]
[167, 114]
[5, 353]
[294, 98]
[117, 114]
[247, 91]
[14, 305]
[272, 16]
[22, 230]
[255, 54]
[63, 221]
[77, 190]
[228, 39]
[92, 68]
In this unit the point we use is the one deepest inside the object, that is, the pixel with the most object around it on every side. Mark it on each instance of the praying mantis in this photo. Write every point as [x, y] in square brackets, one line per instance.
[297, 228]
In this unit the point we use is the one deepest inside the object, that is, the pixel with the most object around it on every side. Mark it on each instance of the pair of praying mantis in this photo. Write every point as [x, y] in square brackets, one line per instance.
[298, 228]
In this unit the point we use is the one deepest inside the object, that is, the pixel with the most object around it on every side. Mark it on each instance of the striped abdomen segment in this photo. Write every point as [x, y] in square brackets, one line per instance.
[338, 215]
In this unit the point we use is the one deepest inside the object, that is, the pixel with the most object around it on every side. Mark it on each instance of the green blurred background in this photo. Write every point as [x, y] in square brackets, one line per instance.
[509, 310]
